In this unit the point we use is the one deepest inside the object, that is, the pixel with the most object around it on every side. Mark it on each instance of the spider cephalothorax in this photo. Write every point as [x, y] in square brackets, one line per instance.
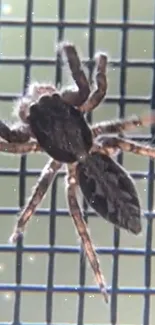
[53, 122]
[60, 129]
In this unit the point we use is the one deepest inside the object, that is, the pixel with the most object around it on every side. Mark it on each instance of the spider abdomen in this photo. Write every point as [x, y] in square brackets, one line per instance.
[60, 129]
[110, 191]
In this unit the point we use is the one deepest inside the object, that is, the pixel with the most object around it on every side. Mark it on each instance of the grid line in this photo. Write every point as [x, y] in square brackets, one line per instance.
[122, 91]
[150, 208]
[22, 179]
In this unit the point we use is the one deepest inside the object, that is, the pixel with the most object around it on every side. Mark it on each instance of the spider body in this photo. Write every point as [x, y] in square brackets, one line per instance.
[62, 132]
[60, 128]
[53, 122]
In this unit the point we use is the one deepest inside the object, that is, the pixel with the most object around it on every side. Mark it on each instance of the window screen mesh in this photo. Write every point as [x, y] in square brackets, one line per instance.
[45, 280]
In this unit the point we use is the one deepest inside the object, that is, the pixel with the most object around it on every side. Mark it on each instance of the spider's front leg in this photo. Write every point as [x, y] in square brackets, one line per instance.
[121, 125]
[17, 137]
[72, 96]
[110, 145]
[20, 148]
[15, 133]
[49, 172]
[101, 84]
[83, 230]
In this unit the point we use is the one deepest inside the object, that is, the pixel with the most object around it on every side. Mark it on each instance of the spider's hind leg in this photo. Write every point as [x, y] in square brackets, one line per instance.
[83, 230]
[46, 177]
[71, 96]
[121, 125]
[111, 144]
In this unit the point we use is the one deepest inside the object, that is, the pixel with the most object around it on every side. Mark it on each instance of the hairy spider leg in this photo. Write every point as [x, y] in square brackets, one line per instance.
[121, 125]
[20, 148]
[83, 230]
[47, 176]
[101, 84]
[16, 133]
[109, 146]
[70, 95]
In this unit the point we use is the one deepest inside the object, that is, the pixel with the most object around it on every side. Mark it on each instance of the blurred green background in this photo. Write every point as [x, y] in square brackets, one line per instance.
[139, 83]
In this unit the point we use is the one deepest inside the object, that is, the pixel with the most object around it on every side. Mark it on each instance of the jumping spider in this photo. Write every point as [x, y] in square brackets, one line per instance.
[53, 121]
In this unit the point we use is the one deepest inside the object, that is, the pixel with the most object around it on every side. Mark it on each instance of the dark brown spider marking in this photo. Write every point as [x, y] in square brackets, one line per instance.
[110, 191]
[60, 129]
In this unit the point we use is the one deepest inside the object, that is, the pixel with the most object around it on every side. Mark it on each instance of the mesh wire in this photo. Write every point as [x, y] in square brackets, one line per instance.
[125, 25]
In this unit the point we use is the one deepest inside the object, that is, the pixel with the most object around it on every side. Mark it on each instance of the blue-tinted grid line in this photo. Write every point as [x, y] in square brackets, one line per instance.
[65, 249]
[122, 91]
[53, 207]
[75, 289]
[59, 212]
[22, 179]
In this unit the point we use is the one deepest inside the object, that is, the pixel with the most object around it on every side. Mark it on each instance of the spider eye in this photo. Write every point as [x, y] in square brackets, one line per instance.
[55, 96]
[33, 107]
[45, 101]
[56, 99]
